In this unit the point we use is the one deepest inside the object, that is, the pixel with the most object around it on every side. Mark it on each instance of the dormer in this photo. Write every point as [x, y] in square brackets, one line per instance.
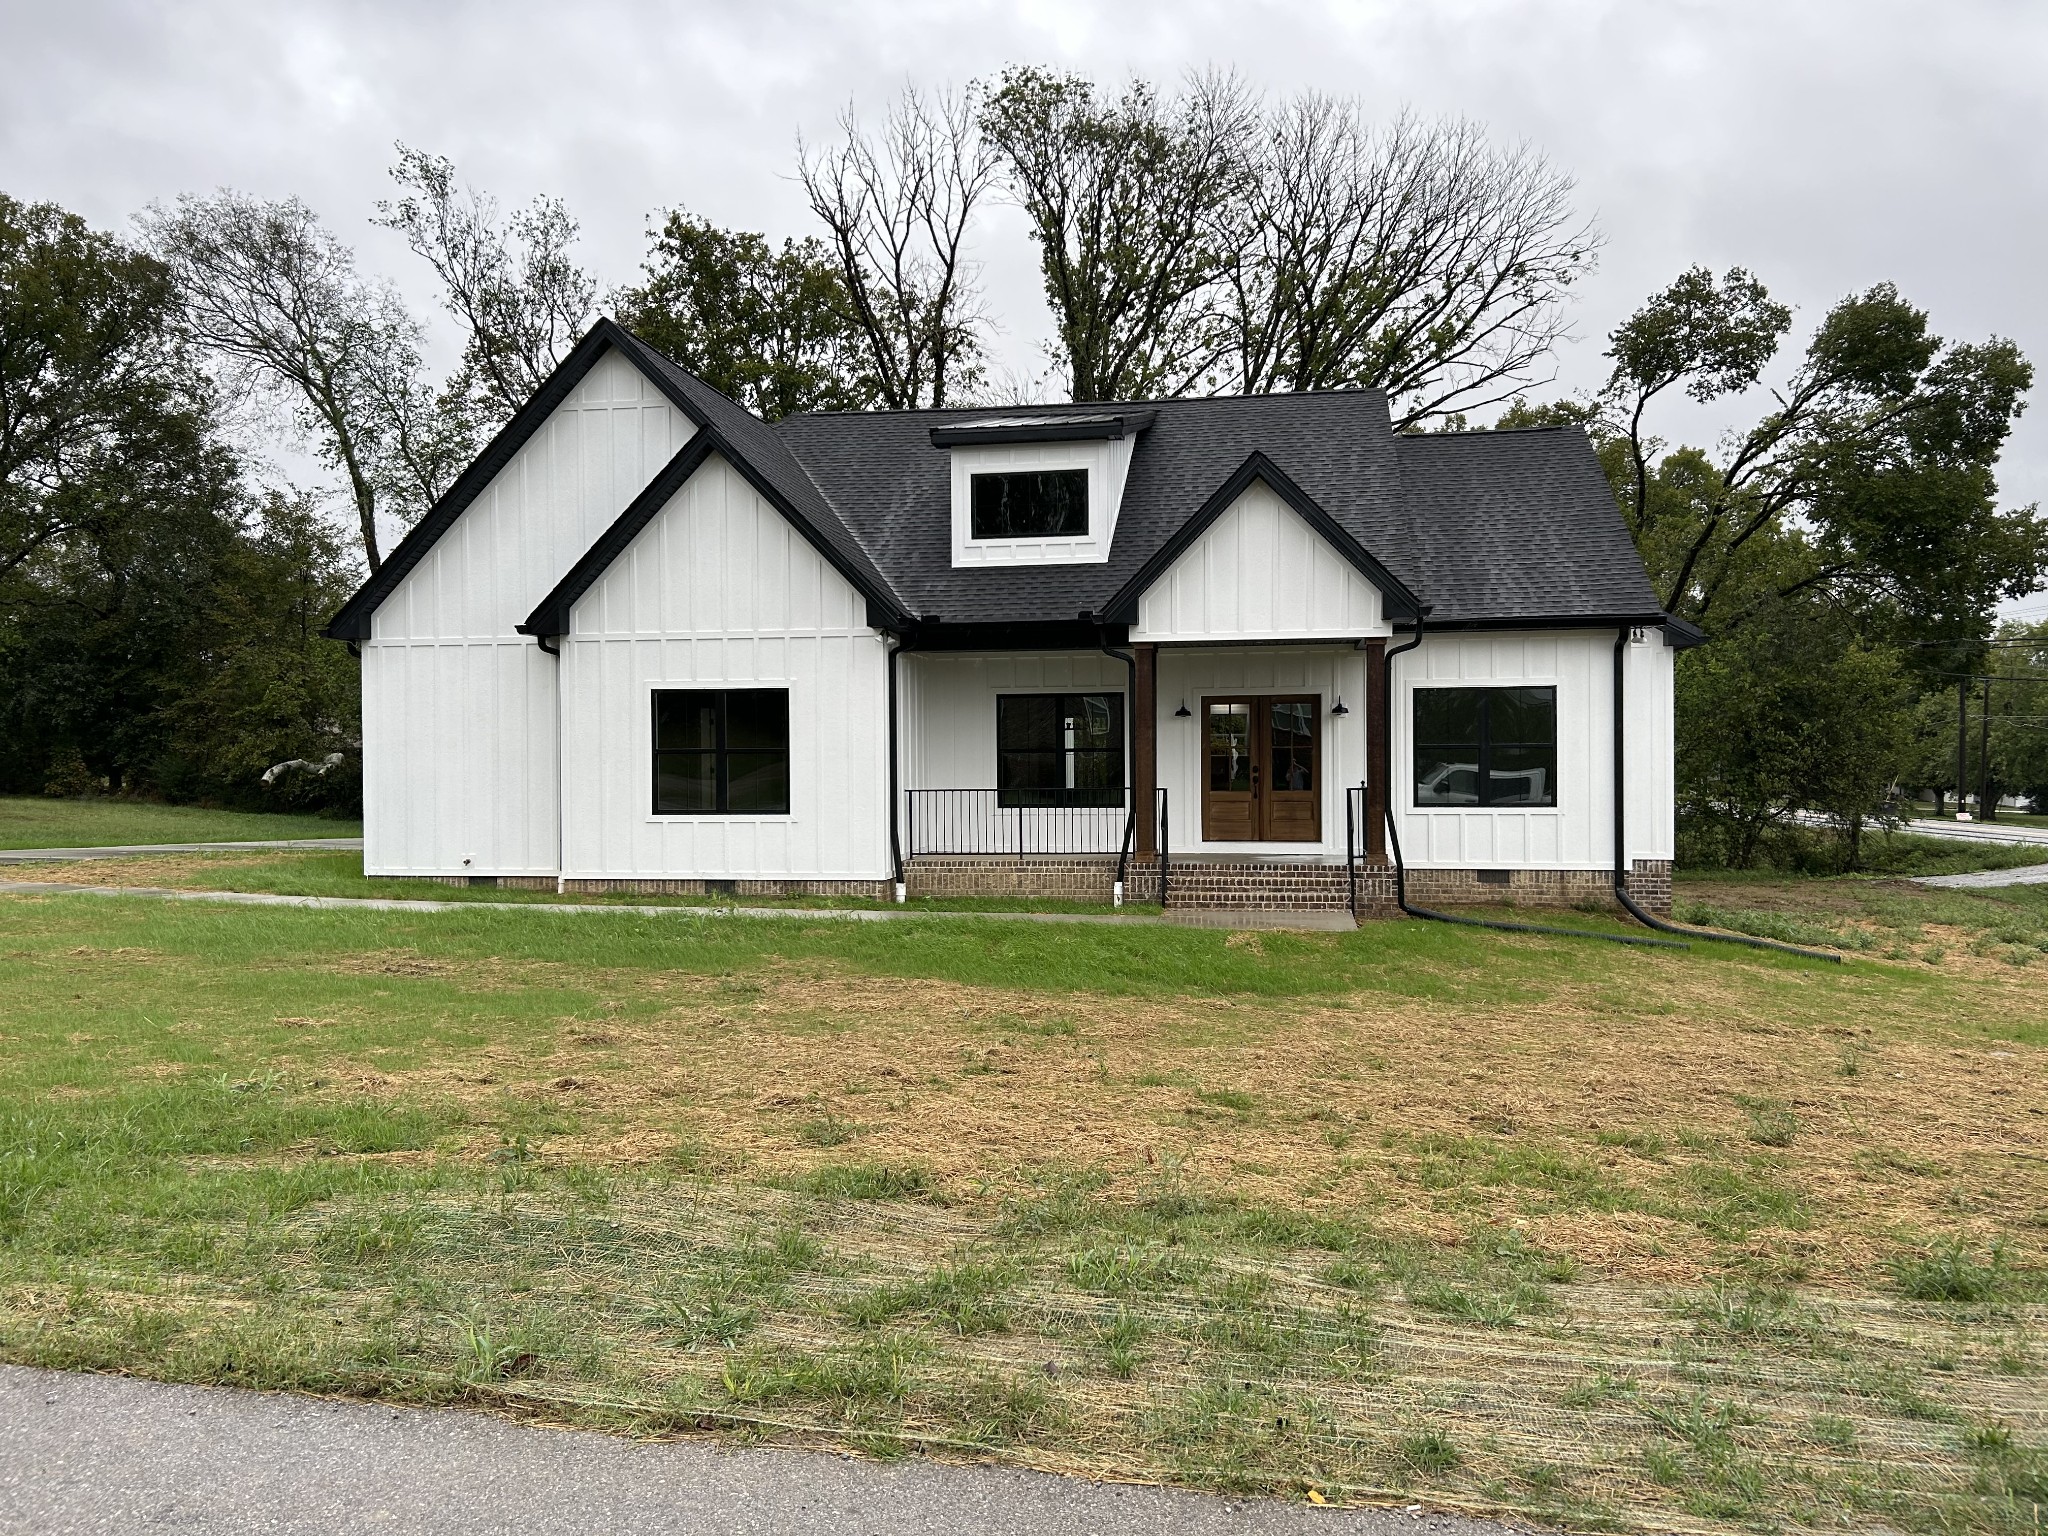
[1038, 490]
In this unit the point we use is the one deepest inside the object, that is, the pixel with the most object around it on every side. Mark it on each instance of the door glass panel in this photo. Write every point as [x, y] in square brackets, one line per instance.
[1230, 748]
[1294, 745]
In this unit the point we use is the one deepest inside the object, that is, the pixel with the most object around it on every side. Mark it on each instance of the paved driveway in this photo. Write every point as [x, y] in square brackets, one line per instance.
[90, 1454]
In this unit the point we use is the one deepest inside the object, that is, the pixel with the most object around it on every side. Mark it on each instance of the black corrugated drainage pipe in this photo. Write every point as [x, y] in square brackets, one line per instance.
[1401, 867]
[1648, 919]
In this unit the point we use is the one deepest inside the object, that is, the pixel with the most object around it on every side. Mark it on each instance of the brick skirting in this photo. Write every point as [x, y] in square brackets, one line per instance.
[1649, 882]
[865, 890]
[1258, 884]
[1073, 877]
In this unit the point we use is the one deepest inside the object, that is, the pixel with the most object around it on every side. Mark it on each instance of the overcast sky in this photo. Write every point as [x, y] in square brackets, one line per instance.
[1824, 144]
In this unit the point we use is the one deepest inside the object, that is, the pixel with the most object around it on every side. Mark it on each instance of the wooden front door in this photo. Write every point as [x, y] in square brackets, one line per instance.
[1262, 769]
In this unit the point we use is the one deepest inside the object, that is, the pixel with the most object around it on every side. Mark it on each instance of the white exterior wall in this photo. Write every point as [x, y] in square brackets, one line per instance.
[1578, 833]
[1260, 572]
[459, 710]
[1649, 745]
[1188, 674]
[720, 590]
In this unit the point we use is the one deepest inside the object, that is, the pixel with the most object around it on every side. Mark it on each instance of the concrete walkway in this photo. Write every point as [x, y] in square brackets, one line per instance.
[127, 850]
[1984, 879]
[1340, 922]
[2005, 833]
[81, 1455]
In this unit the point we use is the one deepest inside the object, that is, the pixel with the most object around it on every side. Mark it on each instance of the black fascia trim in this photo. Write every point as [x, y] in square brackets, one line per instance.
[1127, 424]
[352, 620]
[1682, 635]
[1552, 621]
[1124, 606]
[551, 617]
[1028, 635]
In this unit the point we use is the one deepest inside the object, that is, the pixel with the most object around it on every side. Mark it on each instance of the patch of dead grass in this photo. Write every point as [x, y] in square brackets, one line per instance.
[988, 1089]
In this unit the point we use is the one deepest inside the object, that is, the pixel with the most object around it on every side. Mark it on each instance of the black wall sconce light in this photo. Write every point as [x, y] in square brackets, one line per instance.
[1338, 708]
[1183, 713]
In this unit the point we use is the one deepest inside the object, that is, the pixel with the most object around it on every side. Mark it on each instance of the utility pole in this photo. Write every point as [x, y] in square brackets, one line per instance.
[1987, 807]
[1962, 749]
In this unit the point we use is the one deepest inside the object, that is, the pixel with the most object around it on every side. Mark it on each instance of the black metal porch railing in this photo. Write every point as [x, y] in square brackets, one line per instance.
[1355, 835]
[977, 823]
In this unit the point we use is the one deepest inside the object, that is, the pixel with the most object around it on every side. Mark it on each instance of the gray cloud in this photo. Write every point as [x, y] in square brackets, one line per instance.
[1826, 145]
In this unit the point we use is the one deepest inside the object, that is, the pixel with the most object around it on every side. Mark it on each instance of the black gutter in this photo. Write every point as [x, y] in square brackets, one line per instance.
[1130, 661]
[1628, 902]
[1401, 866]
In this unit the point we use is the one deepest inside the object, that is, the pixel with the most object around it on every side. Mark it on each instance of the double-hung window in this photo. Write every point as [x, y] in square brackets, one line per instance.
[1060, 749]
[1486, 746]
[721, 752]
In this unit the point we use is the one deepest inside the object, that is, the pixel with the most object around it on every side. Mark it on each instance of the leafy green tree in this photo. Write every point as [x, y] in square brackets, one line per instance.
[1790, 714]
[771, 328]
[1869, 481]
[1126, 199]
[262, 685]
[90, 375]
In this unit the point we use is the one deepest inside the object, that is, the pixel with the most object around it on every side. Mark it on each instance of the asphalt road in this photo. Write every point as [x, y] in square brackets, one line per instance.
[90, 1454]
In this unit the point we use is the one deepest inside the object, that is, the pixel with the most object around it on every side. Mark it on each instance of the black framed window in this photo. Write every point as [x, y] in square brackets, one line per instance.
[721, 752]
[1486, 746]
[1060, 749]
[1029, 504]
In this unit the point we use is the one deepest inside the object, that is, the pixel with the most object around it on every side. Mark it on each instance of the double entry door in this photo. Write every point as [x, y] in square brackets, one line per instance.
[1262, 769]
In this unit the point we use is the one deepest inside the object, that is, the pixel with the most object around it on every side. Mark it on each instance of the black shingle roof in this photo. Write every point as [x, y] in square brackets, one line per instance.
[1481, 527]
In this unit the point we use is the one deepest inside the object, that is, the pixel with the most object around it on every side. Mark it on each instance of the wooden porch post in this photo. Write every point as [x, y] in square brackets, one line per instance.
[1145, 747]
[1379, 759]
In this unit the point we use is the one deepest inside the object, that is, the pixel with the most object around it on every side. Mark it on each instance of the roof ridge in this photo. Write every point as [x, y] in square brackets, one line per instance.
[1098, 405]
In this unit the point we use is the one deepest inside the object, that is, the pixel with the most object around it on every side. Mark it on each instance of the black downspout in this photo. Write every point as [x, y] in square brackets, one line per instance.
[895, 791]
[1628, 902]
[1401, 867]
[554, 650]
[1130, 662]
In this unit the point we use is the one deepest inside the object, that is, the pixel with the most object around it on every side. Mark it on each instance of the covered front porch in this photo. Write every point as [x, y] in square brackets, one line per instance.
[1195, 775]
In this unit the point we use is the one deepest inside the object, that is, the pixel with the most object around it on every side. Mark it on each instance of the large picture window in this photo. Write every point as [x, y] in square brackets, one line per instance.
[1030, 504]
[1060, 749]
[721, 751]
[1486, 746]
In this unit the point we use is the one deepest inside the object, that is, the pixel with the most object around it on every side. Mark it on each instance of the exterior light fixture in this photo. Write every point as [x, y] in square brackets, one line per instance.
[1183, 713]
[1338, 708]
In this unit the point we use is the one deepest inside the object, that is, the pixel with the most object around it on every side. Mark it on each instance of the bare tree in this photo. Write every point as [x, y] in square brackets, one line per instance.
[269, 293]
[514, 286]
[1420, 259]
[1127, 199]
[898, 213]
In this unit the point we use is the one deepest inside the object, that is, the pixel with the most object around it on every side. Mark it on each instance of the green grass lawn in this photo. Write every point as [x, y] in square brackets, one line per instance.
[29, 822]
[1604, 1236]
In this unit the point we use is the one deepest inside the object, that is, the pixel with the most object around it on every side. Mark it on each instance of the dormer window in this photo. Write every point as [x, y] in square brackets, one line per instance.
[1030, 504]
[1038, 489]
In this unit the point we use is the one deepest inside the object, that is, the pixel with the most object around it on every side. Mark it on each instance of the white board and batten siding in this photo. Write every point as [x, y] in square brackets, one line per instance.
[1259, 572]
[719, 590]
[460, 711]
[1578, 832]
